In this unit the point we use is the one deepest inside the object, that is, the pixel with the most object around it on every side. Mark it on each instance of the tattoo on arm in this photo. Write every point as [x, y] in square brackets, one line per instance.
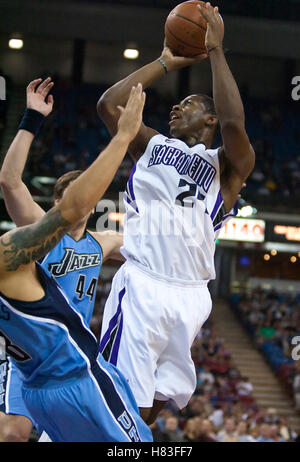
[30, 243]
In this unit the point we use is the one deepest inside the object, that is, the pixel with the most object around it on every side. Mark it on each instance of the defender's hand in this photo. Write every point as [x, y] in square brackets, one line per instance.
[131, 116]
[215, 26]
[37, 92]
[174, 62]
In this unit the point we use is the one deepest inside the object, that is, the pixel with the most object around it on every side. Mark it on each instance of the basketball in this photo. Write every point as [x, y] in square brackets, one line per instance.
[185, 29]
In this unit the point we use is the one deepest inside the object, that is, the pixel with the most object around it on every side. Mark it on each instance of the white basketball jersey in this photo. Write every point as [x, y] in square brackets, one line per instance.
[174, 209]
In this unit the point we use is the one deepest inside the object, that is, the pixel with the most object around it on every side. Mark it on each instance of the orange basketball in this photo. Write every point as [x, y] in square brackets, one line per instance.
[185, 29]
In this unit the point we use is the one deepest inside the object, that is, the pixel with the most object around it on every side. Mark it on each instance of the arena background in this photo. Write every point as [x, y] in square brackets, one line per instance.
[246, 355]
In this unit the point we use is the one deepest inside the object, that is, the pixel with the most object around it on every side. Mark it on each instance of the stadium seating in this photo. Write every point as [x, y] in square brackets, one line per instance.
[278, 348]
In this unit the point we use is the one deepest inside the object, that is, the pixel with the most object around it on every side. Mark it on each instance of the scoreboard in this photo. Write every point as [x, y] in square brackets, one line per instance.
[243, 229]
[284, 232]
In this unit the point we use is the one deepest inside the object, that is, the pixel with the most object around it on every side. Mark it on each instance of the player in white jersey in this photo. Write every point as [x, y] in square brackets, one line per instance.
[179, 194]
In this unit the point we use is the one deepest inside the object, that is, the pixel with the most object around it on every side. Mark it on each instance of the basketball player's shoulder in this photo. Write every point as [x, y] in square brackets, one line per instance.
[92, 240]
[101, 236]
[95, 236]
[110, 243]
[175, 142]
[159, 141]
[157, 137]
[214, 153]
[213, 156]
[109, 237]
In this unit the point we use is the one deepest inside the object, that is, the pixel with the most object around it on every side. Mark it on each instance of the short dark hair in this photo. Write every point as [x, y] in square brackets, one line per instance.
[208, 104]
[63, 182]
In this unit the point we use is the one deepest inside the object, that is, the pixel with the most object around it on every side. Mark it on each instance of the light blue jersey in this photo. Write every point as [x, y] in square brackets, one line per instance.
[70, 391]
[76, 266]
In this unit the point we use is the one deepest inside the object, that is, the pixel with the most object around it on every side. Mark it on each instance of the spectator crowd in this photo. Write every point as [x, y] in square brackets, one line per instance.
[273, 321]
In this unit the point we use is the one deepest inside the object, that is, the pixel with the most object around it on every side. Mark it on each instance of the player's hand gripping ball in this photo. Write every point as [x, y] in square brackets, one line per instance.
[185, 29]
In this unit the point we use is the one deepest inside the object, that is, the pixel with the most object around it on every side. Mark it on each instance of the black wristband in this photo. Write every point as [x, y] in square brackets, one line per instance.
[32, 121]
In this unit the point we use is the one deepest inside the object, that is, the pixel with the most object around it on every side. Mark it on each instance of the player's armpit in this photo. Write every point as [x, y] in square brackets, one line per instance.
[237, 159]
[137, 147]
[236, 150]
[231, 186]
[24, 245]
[111, 242]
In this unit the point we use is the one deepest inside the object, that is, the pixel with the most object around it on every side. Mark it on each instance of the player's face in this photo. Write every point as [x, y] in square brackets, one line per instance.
[187, 117]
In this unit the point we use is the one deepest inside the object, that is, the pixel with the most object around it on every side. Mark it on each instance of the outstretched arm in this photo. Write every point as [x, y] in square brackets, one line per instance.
[24, 245]
[237, 155]
[118, 94]
[18, 200]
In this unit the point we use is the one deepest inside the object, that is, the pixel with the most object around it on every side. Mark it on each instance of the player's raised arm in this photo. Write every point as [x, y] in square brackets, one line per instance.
[118, 95]
[238, 152]
[24, 245]
[18, 200]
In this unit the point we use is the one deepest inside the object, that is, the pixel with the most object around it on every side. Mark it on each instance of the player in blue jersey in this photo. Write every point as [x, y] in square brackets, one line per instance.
[68, 388]
[75, 262]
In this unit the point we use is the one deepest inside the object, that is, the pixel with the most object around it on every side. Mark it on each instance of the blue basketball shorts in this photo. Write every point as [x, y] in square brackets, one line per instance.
[96, 407]
[11, 399]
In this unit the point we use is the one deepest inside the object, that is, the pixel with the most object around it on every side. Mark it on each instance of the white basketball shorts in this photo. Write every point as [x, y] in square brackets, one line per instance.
[149, 325]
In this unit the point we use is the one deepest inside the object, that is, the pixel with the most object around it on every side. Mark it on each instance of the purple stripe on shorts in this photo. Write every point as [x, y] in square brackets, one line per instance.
[112, 323]
[115, 350]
